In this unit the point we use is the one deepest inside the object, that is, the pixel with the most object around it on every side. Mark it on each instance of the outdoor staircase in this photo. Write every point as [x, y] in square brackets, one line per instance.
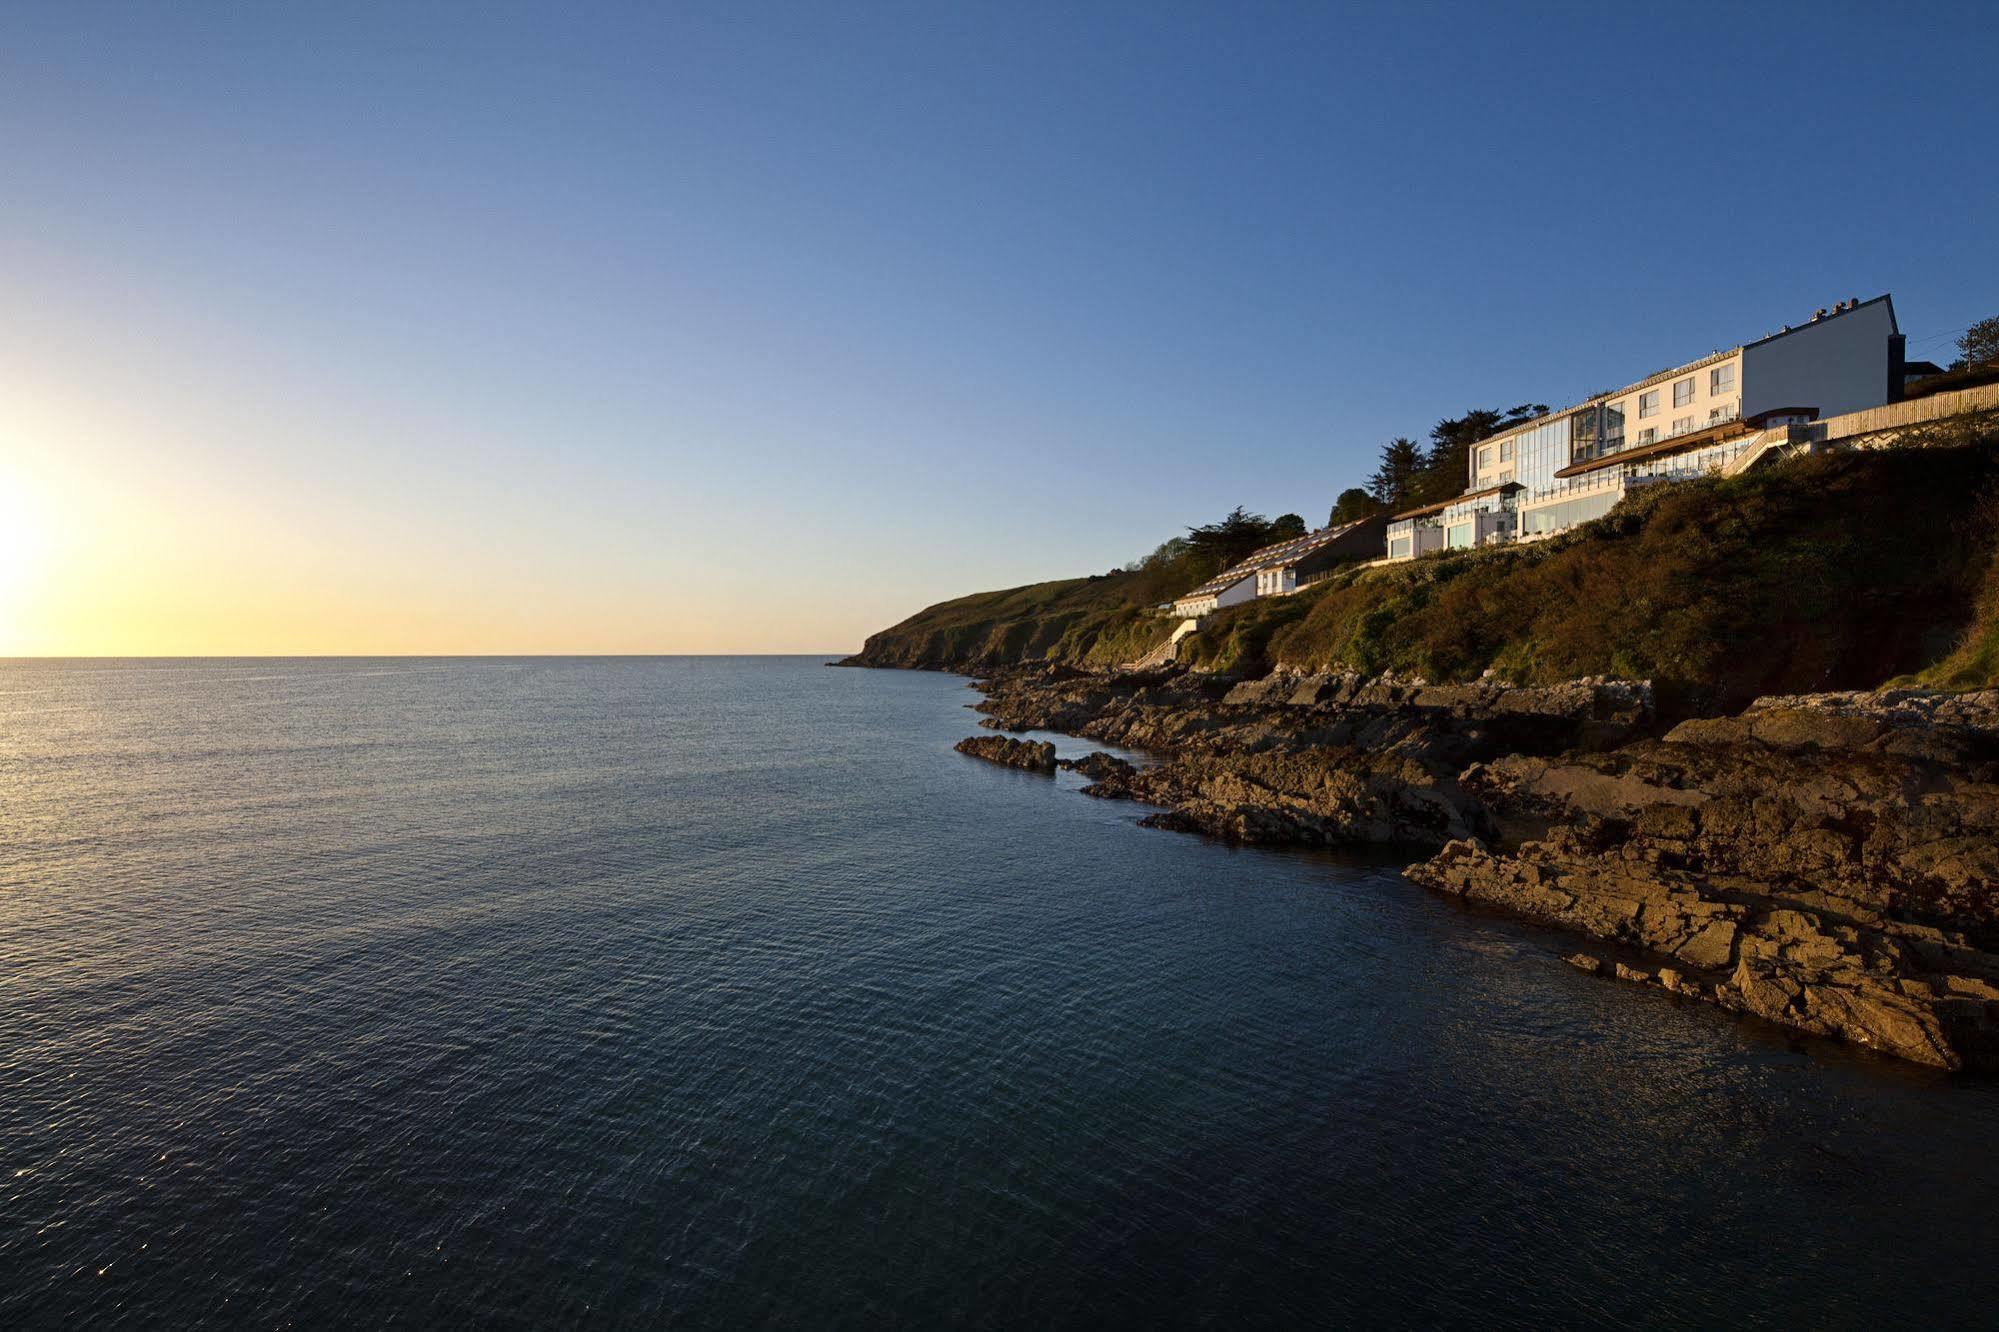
[1166, 651]
[1771, 442]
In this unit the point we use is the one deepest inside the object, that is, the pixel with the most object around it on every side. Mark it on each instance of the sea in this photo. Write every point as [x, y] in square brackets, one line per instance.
[720, 992]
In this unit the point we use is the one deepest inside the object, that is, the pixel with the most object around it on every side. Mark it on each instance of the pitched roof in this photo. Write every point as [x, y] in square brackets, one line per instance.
[1272, 557]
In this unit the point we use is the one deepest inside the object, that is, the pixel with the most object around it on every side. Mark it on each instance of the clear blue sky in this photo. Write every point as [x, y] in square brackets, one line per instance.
[720, 326]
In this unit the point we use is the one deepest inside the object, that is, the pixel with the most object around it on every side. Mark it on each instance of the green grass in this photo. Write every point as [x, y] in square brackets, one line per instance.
[1081, 621]
[1831, 572]
[1834, 572]
[1974, 663]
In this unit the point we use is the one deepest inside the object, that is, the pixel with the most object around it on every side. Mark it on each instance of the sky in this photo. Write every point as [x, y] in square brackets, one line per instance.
[744, 327]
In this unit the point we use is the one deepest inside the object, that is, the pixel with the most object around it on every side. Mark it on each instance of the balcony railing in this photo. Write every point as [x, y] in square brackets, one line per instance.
[1727, 414]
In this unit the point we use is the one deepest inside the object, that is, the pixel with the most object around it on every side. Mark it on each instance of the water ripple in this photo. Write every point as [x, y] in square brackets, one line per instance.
[723, 992]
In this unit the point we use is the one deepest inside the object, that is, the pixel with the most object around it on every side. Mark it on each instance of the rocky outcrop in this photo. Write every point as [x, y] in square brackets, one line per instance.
[1321, 796]
[1031, 755]
[1099, 766]
[1828, 862]
[1318, 760]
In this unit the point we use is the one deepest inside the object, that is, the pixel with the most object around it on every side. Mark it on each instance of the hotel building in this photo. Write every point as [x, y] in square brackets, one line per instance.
[1556, 471]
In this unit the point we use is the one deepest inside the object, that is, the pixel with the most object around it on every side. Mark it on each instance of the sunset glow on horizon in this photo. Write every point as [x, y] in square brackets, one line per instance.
[473, 330]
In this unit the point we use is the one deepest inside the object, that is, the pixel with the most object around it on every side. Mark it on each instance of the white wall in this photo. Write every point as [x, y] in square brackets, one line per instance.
[1708, 404]
[1241, 591]
[1839, 364]
[1277, 582]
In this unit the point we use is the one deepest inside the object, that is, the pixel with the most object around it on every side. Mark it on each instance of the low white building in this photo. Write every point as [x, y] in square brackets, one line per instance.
[1230, 589]
[1281, 569]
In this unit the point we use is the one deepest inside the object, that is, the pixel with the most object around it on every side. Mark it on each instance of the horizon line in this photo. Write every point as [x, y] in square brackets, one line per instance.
[391, 656]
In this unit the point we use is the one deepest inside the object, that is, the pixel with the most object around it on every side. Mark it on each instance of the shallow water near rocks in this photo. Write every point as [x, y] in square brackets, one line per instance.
[722, 990]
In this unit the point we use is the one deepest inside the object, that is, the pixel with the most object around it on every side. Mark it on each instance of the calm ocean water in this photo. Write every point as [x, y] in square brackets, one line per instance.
[723, 992]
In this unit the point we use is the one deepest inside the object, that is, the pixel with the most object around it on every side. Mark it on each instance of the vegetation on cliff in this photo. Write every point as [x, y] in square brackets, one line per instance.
[1975, 662]
[1833, 572]
[1101, 621]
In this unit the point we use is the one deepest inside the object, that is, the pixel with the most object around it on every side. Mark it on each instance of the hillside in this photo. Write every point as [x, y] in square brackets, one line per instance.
[1840, 571]
[1097, 621]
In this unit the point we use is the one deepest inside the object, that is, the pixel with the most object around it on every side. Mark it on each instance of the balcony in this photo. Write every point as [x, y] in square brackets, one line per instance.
[1722, 417]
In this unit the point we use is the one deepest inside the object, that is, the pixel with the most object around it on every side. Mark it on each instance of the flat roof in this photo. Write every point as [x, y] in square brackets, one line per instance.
[1441, 505]
[1894, 325]
[1674, 372]
[1692, 439]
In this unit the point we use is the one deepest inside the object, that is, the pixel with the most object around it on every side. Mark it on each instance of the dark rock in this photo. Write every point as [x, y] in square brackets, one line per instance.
[1828, 862]
[1032, 755]
[1098, 766]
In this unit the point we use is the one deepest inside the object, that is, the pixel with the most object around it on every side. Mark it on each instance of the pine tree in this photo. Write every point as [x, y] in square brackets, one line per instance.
[1401, 463]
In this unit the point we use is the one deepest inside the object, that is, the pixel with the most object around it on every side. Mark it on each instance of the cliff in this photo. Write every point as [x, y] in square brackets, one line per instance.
[1625, 732]
[1835, 572]
[1097, 622]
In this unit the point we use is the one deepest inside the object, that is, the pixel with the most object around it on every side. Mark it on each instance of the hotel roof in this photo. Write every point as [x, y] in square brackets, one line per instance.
[1441, 505]
[1674, 372]
[1272, 557]
[1673, 444]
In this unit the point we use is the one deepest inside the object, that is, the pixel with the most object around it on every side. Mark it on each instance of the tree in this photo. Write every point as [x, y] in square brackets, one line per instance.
[1980, 343]
[1286, 527]
[1447, 464]
[1353, 505]
[1401, 465]
[1166, 552]
[1228, 541]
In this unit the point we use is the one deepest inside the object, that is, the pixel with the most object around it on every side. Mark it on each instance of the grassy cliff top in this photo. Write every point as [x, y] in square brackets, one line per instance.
[1098, 621]
[1839, 571]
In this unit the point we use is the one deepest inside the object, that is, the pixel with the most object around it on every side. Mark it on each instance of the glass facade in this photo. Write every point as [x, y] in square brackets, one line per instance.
[1555, 517]
[1582, 433]
[1525, 461]
[1541, 452]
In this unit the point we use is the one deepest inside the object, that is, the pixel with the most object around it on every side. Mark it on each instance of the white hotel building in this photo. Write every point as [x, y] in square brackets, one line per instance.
[1568, 467]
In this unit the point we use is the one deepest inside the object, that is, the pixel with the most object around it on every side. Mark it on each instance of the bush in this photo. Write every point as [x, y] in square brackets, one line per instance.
[1827, 572]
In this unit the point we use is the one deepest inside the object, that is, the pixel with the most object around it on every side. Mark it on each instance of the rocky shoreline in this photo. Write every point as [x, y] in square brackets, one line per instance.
[1827, 862]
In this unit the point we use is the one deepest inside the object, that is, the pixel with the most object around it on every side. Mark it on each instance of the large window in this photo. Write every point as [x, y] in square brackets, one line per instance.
[1683, 392]
[1648, 434]
[1555, 517]
[1721, 379]
[1485, 458]
[1682, 424]
[1458, 536]
[1532, 457]
[1648, 404]
[1582, 434]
